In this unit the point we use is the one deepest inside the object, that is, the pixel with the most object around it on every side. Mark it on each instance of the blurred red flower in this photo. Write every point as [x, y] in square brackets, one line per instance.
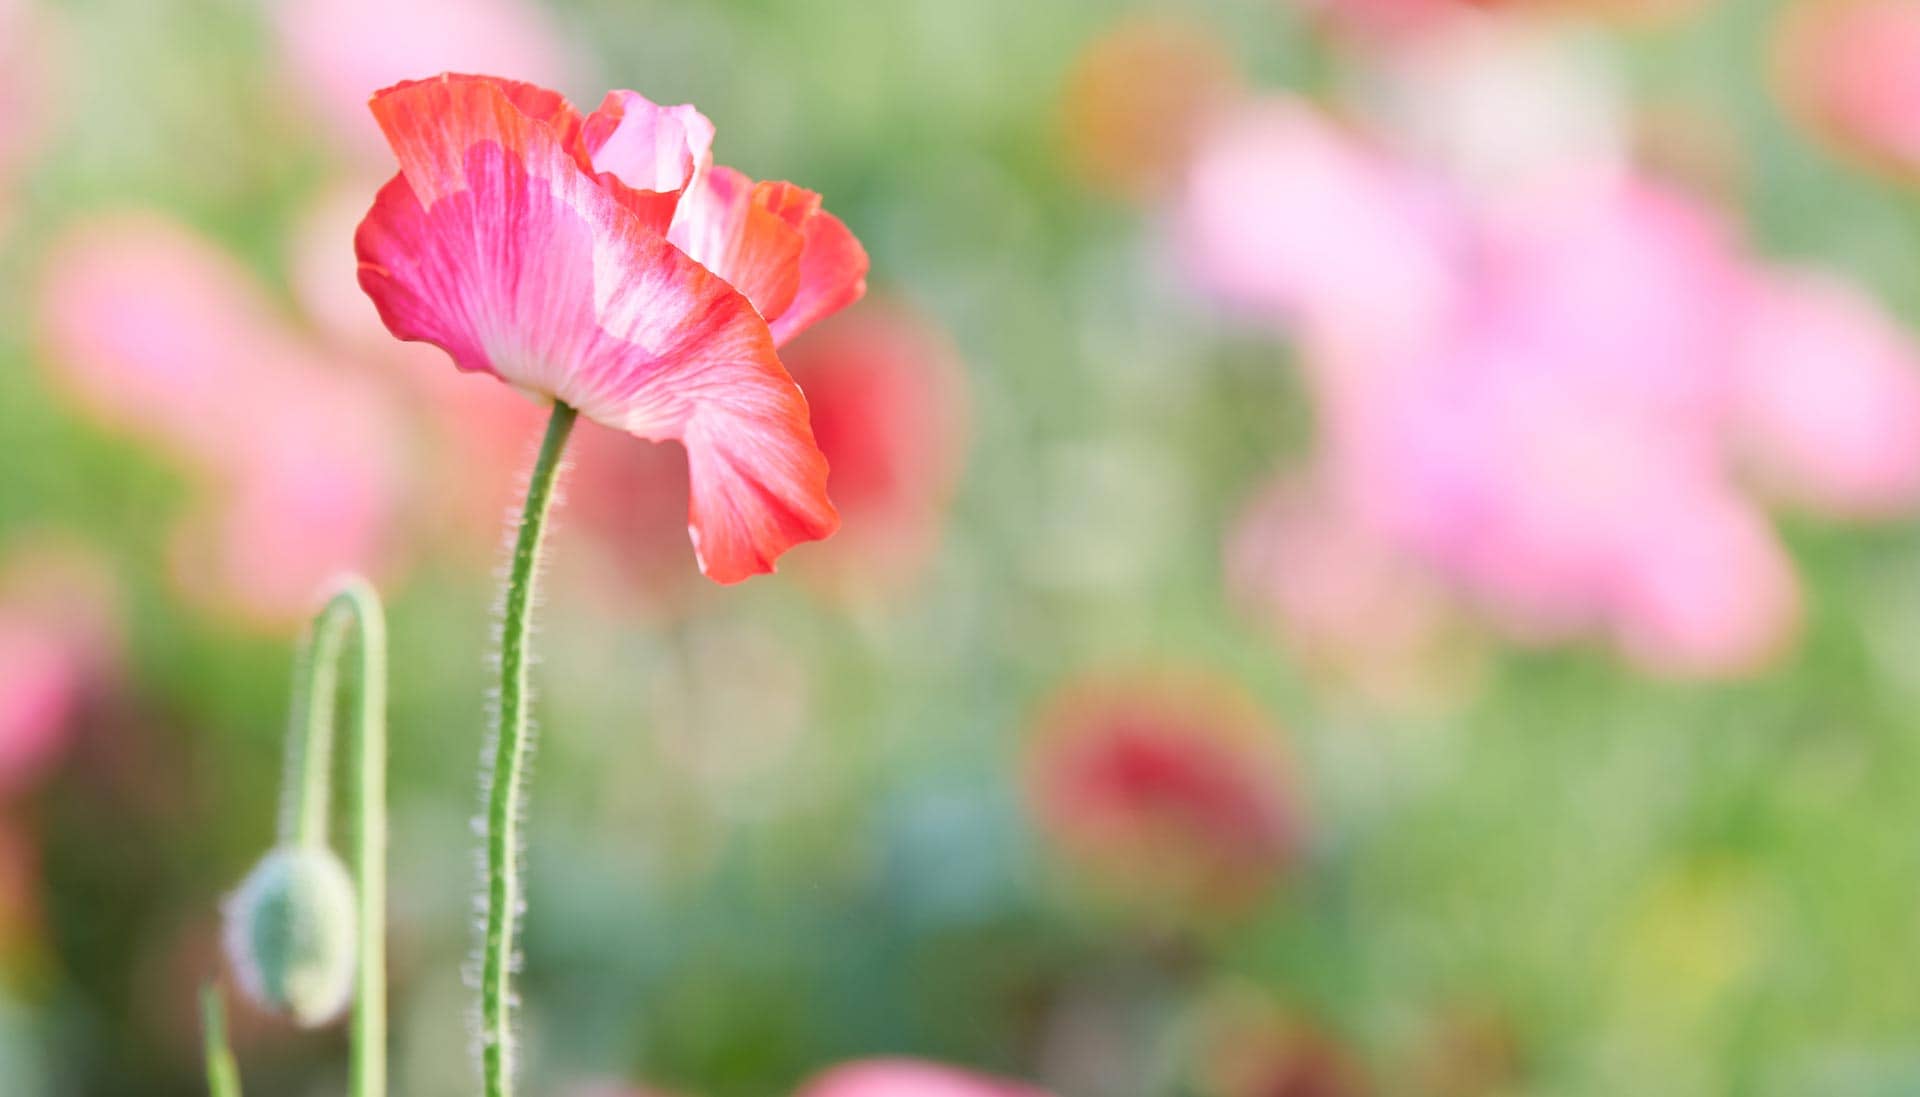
[1250, 1048]
[605, 262]
[1168, 788]
[889, 408]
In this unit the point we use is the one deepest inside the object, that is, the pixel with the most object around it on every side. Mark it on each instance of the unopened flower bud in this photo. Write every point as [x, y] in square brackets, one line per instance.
[290, 934]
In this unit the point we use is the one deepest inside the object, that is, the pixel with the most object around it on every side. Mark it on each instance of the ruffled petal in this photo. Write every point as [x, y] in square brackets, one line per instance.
[494, 245]
[728, 230]
[772, 241]
[833, 275]
[656, 152]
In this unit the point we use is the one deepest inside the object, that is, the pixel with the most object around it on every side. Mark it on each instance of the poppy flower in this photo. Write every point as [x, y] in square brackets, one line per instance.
[1165, 786]
[606, 263]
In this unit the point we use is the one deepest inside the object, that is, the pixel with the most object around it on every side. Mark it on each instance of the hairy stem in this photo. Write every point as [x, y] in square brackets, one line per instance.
[304, 801]
[511, 747]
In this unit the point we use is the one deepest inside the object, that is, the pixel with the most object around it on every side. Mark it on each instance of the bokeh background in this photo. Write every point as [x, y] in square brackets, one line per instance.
[1379, 553]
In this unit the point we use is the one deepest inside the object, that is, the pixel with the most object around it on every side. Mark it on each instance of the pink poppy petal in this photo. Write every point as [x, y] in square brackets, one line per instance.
[833, 275]
[731, 230]
[797, 263]
[649, 147]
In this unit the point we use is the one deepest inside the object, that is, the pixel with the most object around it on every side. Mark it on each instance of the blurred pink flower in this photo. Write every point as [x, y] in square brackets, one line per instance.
[909, 1078]
[1827, 410]
[1525, 449]
[342, 51]
[1166, 787]
[632, 502]
[41, 683]
[1287, 215]
[1342, 598]
[59, 643]
[887, 397]
[1555, 426]
[156, 333]
[1851, 70]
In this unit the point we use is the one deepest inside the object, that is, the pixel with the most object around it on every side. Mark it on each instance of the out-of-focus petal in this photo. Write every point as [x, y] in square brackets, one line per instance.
[909, 1078]
[60, 639]
[1286, 215]
[40, 689]
[888, 402]
[1828, 406]
[1344, 598]
[159, 335]
[1706, 590]
[1851, 69]
[342, 51]
[154, 331]
[1168, 788]
[495, 246]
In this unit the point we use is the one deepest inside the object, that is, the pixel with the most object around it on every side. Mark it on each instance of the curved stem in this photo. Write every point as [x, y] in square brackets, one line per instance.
[306, 786]
[223, 1074]
[305, 797]
[511, 747]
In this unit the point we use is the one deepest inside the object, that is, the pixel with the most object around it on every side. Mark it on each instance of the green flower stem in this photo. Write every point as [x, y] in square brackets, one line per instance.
[305, 800]
[223, 1074]
[512, 745]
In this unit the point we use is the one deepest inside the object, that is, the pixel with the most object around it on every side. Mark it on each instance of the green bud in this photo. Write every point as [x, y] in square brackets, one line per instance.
[290, 934]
